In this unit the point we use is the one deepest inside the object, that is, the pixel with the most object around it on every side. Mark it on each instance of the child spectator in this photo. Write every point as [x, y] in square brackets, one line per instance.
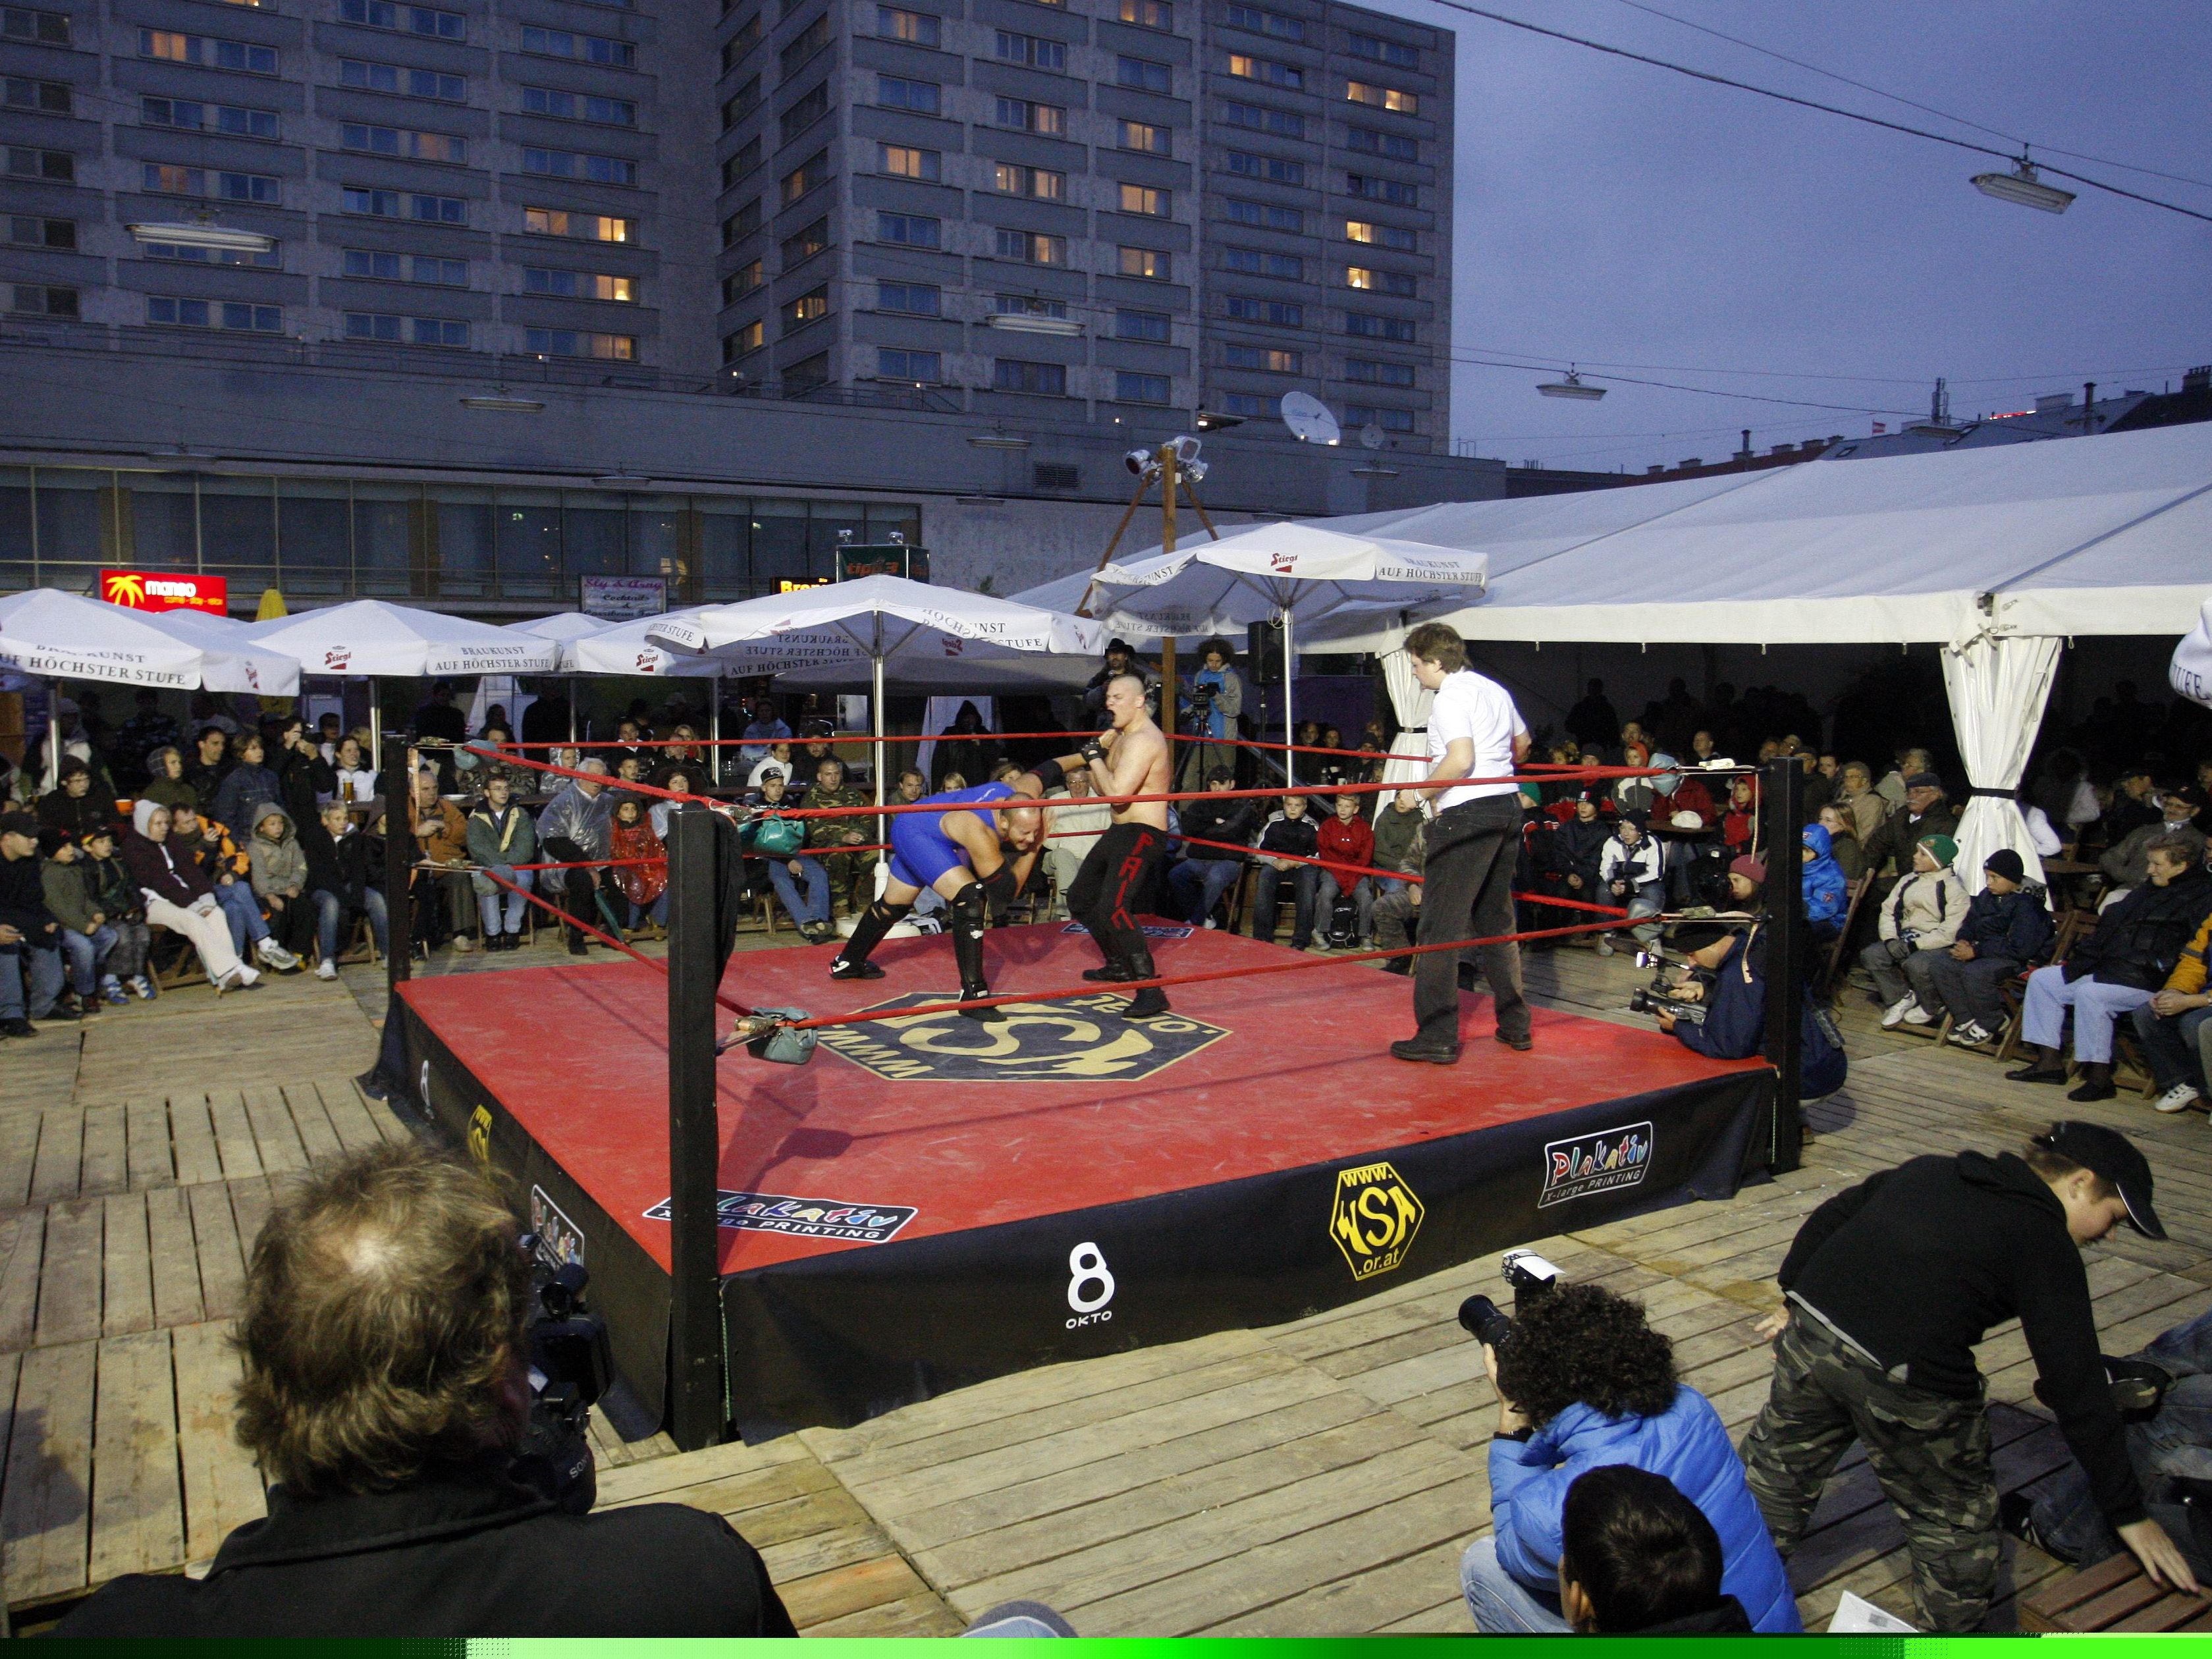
[1635, 1557]
[2007, 927]
[501, 836]
[279, 872]
[1629, 875]
[1919, 922]
[116, 897]
[339, 882]
[86, 939]
[644, 886]
[246, 786]
[778, 757]
[1739, 821]
[1348, 840]
[72, 808]
[228, 872]
[1289, 832]
[1826, 891]
[1197, 881]
[355, 778]
[799, 881]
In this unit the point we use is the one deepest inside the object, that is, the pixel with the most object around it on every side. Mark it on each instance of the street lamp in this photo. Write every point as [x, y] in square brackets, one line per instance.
[1572, 386]
[199, 234]
[2021, 188]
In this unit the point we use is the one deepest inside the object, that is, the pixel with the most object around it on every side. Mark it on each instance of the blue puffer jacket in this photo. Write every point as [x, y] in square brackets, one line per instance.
[1827, 892]
[1686, 1443]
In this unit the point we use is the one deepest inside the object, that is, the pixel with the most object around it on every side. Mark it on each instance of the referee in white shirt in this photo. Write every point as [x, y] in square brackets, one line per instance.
[1473, 844]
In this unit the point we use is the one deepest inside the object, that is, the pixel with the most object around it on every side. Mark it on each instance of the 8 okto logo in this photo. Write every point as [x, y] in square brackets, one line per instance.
[1090, 1286]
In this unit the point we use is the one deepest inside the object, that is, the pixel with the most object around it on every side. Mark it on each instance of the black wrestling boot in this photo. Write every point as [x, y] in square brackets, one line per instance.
[878, 918]
[1151, 1002]
[966, 931]
[1113, 971]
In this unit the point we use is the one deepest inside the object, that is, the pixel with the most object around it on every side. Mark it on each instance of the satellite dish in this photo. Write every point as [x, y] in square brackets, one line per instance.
[1370, 436]
[1308, 419]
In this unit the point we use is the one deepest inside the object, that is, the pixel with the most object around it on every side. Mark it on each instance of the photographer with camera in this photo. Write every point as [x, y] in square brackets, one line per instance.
[387, 1392]
[1583, 1381]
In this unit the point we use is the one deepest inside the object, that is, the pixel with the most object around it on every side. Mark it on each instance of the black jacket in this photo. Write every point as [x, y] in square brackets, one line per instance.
[23, 900]
[2139, 939]
[2016, 926]
[1574, 848]
[1916, 1263]
[466, 1553]
[1299, 838]
[1725, 1618]
[1224, 820]
[337, 867]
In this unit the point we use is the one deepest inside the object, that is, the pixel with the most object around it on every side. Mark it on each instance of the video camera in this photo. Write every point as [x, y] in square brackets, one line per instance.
[1648, 1002]
[569, 1371]
[1529, 1276]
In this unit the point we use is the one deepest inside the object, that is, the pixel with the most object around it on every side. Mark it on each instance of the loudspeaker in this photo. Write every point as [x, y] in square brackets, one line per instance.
[1264, 654]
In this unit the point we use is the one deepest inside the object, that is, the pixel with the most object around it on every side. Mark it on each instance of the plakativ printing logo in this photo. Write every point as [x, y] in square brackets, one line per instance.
[807, 1217]
[1374, 1218]
[1600, 1163]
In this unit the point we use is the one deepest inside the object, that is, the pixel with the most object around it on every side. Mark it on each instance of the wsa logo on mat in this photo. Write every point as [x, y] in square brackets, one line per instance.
[1082, 1037]
[1602, 1163]
[1374, 1218]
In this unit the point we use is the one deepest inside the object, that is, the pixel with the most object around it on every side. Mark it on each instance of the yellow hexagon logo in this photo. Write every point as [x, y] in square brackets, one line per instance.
[1374, 1218]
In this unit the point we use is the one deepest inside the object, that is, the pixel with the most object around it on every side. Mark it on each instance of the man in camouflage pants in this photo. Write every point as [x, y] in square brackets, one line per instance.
[851, 874]
[1890, 1285]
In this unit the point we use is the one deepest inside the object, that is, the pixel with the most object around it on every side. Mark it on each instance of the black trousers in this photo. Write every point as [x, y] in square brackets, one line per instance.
[578, 886]
[1467, 893]
[1116, 877]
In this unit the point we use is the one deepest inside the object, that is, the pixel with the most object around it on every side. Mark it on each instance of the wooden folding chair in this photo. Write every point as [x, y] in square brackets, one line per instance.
[184, 967]
[1830, 976]
[2073, 925]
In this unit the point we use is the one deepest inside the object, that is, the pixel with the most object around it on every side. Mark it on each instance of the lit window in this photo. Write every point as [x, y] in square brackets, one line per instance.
[1031, 247]
[1148, 14]
[917, 27]
[1390, 98]
[577, 343]
[1143, 198]
[585, 227]
[1148, 262]
[1144, 135]
[906, 161]
[1389, 236]
[1268, 360]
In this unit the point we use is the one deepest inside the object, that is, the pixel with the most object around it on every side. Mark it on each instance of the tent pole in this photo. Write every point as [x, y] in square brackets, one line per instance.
[572, 709]
[714, 730]
[376, 726]
[876, 709]
[1290, 725]
[54, 737]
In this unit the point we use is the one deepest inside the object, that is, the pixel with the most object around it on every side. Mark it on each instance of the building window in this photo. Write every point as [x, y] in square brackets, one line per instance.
[907, 161]
[1379, 281]
[408, 20]
[42, 300]
[586, 48]
[803, 376]
[47, 97]
[164, 312]
[1144, 135]
[803, 46]
[1268, 71]
[1150, 325]
[897, 363]
[166, 179]
[1370, 326]
[236, 120]
[1129, 388]
[1248, 404]
[1378, 50]
[749, 337]
[918, 28]
[405, 140]
[404, 267]
[1033, 49]
[1148, 262]
[58, 165]
[1269, 216]
[1369, 371]
[1275, 169]
[741, 103]
[811, 306]
[1268, 360]
[1043, 183]
[923, 97]
[1024, 115]
[1143, 74]
[1396, 146]
[741, 282]
[579, 164]
[28, 230]
[1148, 14]
[1266, 23]
[909, 230]
[803, 246]
[1390, 98]
[1371, 188]
[579, 284]
[269, 259]
[809, 175]
[1031, 247]
[579, 106]
[387, 330]
[1143, 198]
[742, 223]
[206, 51]
[406, 82]
[578, 343]
[1389, 236]
[1390, 420]
[1014, 375]
[743, 163]
[47, 28]
[1283, 122]
[1028, 305]
[747, 37]
[915, 299]
[1258, 262]
[810, 107]
[583, 227]
[1276, 314]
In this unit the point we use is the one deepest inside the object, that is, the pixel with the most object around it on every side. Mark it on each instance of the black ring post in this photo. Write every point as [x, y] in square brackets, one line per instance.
[1781, 819]
[398, 862]
[697, 1417]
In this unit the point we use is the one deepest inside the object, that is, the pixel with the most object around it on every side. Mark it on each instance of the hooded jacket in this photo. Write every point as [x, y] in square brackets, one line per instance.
[1929, 908]
[1915, 1264]
[163, 869]
[2015, 926]
[1636, 866]
[1399, 842]
[278, 865]
[1826, 891]
[2139, 941]
[1686, 1442]
[1349, 846]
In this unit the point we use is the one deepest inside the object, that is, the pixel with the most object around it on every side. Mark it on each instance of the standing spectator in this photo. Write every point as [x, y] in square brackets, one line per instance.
[1074, 830]
[765, 728]
[2125, 864]
[2007, 927]
[643, 885]
[71, 809]
[115, 896]
[165, 782]
[339, 883]
[1592, 722]
[1827, 892]
[246, 786]
[965, 747]
[304, 779]
[1635, 1557]
[1919, 922]
[1574, 853]
[500, 836]
[1287, 836]
[851, 873]
[1629, 875]
[137, 737]
[2175, 1028]
[1348, 840]
[572, 829]
[780, 840]
[1926, 813]
[1397, 912]
[441, 837]
[178, 896]
[2136, 945]
[279, 878]
[1197, 882]
[1215, 701]
[441, 727]
[85, 939]
[228, 872]
[1120, 658]
[1844, 840]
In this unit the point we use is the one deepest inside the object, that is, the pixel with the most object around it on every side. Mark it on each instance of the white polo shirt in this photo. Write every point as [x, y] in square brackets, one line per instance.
[1474, 707]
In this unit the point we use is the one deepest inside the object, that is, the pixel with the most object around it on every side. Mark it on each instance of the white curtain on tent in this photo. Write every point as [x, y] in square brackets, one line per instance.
[1998, 688]
[1410, 700]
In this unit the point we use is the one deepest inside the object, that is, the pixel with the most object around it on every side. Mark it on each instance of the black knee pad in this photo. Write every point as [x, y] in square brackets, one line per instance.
[970, 909]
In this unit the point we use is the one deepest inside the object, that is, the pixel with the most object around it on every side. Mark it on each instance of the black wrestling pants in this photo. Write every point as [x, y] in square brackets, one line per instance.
[1119, 872]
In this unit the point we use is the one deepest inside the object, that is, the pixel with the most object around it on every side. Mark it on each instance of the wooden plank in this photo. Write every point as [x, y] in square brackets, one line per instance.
[192, 1141]
[250, 1203]
[22, 1249]
[221, 1488]
[214, 1235]
[147, 1127]
[274, 1135]
[126, 1268]
[350, 1115]
[137, 1503]
[233, 1135]
[69, 1279]
[45, 1509]
[174, 1258]
[61, 1147]
[316, 1137]
[105, 1164]
[850, 1591]
[19, 1155]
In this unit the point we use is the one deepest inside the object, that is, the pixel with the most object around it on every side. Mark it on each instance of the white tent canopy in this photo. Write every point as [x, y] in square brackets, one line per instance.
[2191, 673]
[371, 638]
[564, 628]
[67, 636]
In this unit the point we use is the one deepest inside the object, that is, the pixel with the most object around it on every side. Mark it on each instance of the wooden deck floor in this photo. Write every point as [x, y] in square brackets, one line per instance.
[1313, 1478]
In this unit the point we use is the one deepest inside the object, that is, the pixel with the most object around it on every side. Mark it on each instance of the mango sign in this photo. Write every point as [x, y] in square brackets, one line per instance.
[148, 590]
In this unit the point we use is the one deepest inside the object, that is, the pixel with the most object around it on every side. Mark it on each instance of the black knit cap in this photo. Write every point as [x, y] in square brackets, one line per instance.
[2113, 1155]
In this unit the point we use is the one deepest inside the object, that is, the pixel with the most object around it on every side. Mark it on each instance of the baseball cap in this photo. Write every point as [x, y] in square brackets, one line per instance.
[20, 823]
[2113, 1155]
[1923, 780]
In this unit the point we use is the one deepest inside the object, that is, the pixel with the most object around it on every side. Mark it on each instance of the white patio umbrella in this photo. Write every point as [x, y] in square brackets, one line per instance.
[1292, 573]
[371, 639]
[874, 620]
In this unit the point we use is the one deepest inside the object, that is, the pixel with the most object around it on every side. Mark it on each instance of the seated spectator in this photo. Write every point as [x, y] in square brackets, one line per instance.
[75, 744]
[1826, 890]
[2175, 1028]
[1739, 819]
[1634, 795]
[1398, 910]
[340, 883]
[852, 874]
[446, 907]
[355, 777]
[629, 736]
[1843, 841]
[1926, 813]
[229, 873]
[279, 878]
[1629, 875]
[115, 897]
[801, 881]
[1287, 836]
[2136, 945]
[500, 834]
[484, 757]
[628, 769]
[912, 787]
[1856, 795]
[72, 808]
[383, 1343]
[164, 768]
[246, 786]
[1585, 1383]
[1348, 841]
[1897, 783]
[180, 895]
[2135, 804]
[778, 756]
[1198, 881]
[2125, 865]
[31, 943]
[644, 887]
[679, 779]
[210, 762]
[1635, 1557]
[765, 729]
[1075, 831]
[681, 751]
[1679, 797]
[2007, 927]
[1919, 922]
[136, 739]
